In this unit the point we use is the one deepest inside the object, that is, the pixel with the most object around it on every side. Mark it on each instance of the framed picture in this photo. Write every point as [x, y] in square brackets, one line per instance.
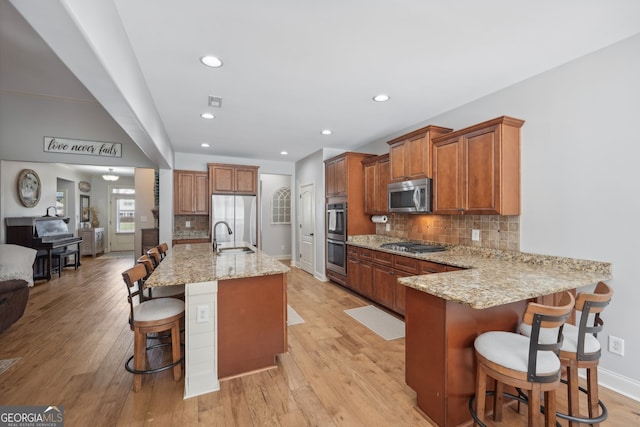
[29, 188]
[84, 209]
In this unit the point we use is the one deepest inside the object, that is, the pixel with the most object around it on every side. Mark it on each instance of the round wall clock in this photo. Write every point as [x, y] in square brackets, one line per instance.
[29, 188]
[84, 186]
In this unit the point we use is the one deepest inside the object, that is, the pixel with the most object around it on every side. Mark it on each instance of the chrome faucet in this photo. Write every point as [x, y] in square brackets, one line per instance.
[215, 242]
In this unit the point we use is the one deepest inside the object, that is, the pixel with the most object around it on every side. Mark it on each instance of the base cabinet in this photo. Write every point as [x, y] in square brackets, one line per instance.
[92, 241]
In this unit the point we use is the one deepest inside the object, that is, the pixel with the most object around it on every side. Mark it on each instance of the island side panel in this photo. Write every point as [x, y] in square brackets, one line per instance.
[440, 360]
[252, 326]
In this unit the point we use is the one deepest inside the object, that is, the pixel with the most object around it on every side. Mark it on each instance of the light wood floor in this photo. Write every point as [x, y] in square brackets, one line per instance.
[74, 339]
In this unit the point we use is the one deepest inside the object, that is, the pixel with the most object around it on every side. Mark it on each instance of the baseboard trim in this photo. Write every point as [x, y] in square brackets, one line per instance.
[618, 383]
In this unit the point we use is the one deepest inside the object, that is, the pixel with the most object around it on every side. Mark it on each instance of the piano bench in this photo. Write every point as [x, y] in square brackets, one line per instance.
[62, 259]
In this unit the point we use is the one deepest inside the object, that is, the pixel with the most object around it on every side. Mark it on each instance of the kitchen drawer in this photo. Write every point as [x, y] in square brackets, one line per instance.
[352, 251]
[364, 254]
[409, 265]
[427, 267]
[382, 258]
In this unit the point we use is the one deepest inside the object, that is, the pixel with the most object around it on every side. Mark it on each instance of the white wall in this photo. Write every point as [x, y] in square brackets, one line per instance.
[10, 205]
[275, 239]
[580, 151]
[26, 119]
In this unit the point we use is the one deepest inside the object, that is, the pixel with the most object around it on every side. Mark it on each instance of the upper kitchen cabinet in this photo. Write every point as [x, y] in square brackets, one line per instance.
[476, 170]
[190, 193]
[376, 177]
[410, 154]
[237, 179]
[343, 174]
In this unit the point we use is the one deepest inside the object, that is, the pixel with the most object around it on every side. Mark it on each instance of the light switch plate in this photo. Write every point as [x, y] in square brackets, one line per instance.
[187, 224]
[202, 314]
[475, 235]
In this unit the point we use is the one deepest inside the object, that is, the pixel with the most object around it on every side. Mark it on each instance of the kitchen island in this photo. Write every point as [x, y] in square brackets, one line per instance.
[235, 311]
[445, 312]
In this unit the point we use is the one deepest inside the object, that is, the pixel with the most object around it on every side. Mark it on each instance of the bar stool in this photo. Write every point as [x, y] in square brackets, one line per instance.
[154, 254]
[581, 350]
[162, 249]
[522, 362]
[151, 316]
[174, 291]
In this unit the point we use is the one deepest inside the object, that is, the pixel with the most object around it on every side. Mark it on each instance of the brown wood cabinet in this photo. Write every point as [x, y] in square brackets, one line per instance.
[190, 193]
[376, 177]
[343, 174]
[476, 170]
[149, 239]
[374, 274]
[410, 154]
[237, 179]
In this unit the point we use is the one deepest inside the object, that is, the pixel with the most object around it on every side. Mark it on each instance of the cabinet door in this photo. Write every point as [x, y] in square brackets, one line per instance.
[245, 181]
[183, 196]
[330, 177]
[365, 278]
[384, 283]
[417, 162]
[222, 178]
[399, 303]
[448, 177]
[341, 177]
[370, 189]
[352, 273]
[99, 240]
[383, 179]
[397, 154]
[482, 195]
[201, 197]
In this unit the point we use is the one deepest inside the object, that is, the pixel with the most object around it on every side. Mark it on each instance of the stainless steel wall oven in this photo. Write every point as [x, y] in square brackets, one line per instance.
[337, 237]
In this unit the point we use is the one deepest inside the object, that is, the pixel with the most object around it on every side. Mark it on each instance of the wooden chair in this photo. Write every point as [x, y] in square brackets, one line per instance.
[174, 291]
[154, 254]
[163, 248]
[581, 350]
[151, 316]
[523, 362]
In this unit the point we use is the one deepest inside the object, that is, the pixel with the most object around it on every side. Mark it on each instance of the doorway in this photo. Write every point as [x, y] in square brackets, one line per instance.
[307, 228]
[275, 215]
[122, 225]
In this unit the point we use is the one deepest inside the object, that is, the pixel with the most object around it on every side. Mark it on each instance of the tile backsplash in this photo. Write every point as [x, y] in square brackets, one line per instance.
[496, 232]
[199, 224]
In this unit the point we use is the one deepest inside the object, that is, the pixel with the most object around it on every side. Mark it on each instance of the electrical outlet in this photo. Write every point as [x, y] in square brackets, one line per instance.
[616, 345]
[187, 224]
[387, 227]
[202, 314]
[475, 235]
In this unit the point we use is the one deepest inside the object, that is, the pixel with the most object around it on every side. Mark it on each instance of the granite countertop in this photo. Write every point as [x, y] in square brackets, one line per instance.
[494, 277]
[185, 235]
[196, 262]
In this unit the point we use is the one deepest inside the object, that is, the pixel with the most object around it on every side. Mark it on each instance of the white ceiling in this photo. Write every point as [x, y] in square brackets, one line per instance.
[295, 67]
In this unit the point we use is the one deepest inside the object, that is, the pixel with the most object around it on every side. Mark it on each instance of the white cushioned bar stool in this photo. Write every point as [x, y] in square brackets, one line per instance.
[581, 350]
[524, 363]
[151, 316]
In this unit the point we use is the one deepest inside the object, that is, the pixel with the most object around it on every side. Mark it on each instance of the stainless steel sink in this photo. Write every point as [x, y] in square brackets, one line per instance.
[238, 250]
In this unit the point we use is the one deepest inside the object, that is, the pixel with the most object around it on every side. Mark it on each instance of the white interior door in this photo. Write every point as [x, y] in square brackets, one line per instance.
[307, 228]
[122, 225]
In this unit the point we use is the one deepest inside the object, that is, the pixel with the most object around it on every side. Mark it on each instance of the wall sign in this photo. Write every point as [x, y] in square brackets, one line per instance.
[76, 146]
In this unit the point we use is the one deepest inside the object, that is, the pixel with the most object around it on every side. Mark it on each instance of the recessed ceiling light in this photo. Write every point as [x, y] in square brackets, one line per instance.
[205, 145]
[284, 153]
[207, 116]
[381, 98]
[326, 132]
[211, 61]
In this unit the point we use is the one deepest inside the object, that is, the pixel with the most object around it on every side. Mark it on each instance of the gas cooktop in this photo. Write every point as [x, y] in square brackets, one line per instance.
[411, 247]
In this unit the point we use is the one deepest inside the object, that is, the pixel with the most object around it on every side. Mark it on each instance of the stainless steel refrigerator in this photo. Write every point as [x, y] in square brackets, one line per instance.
[237, 211]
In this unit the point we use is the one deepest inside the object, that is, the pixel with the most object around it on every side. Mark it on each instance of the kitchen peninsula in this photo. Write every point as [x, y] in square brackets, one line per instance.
[446, 311]
[236, 310]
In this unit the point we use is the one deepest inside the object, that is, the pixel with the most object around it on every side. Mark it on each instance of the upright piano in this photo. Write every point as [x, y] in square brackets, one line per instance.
[47, 234]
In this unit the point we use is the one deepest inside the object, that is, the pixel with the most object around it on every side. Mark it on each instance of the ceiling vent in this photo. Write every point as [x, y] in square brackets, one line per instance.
[215, 101]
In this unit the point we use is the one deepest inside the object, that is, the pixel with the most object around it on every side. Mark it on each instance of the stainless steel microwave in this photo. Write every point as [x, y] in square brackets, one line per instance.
[410, 196]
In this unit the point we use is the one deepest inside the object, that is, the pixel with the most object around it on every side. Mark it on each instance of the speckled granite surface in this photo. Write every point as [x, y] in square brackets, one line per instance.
[193, 263]
[495, 277]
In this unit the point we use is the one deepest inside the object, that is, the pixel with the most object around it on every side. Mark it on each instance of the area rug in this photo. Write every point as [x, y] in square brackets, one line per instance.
[383, 324]
[293, 318]
[120, 254]
[6, 364]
